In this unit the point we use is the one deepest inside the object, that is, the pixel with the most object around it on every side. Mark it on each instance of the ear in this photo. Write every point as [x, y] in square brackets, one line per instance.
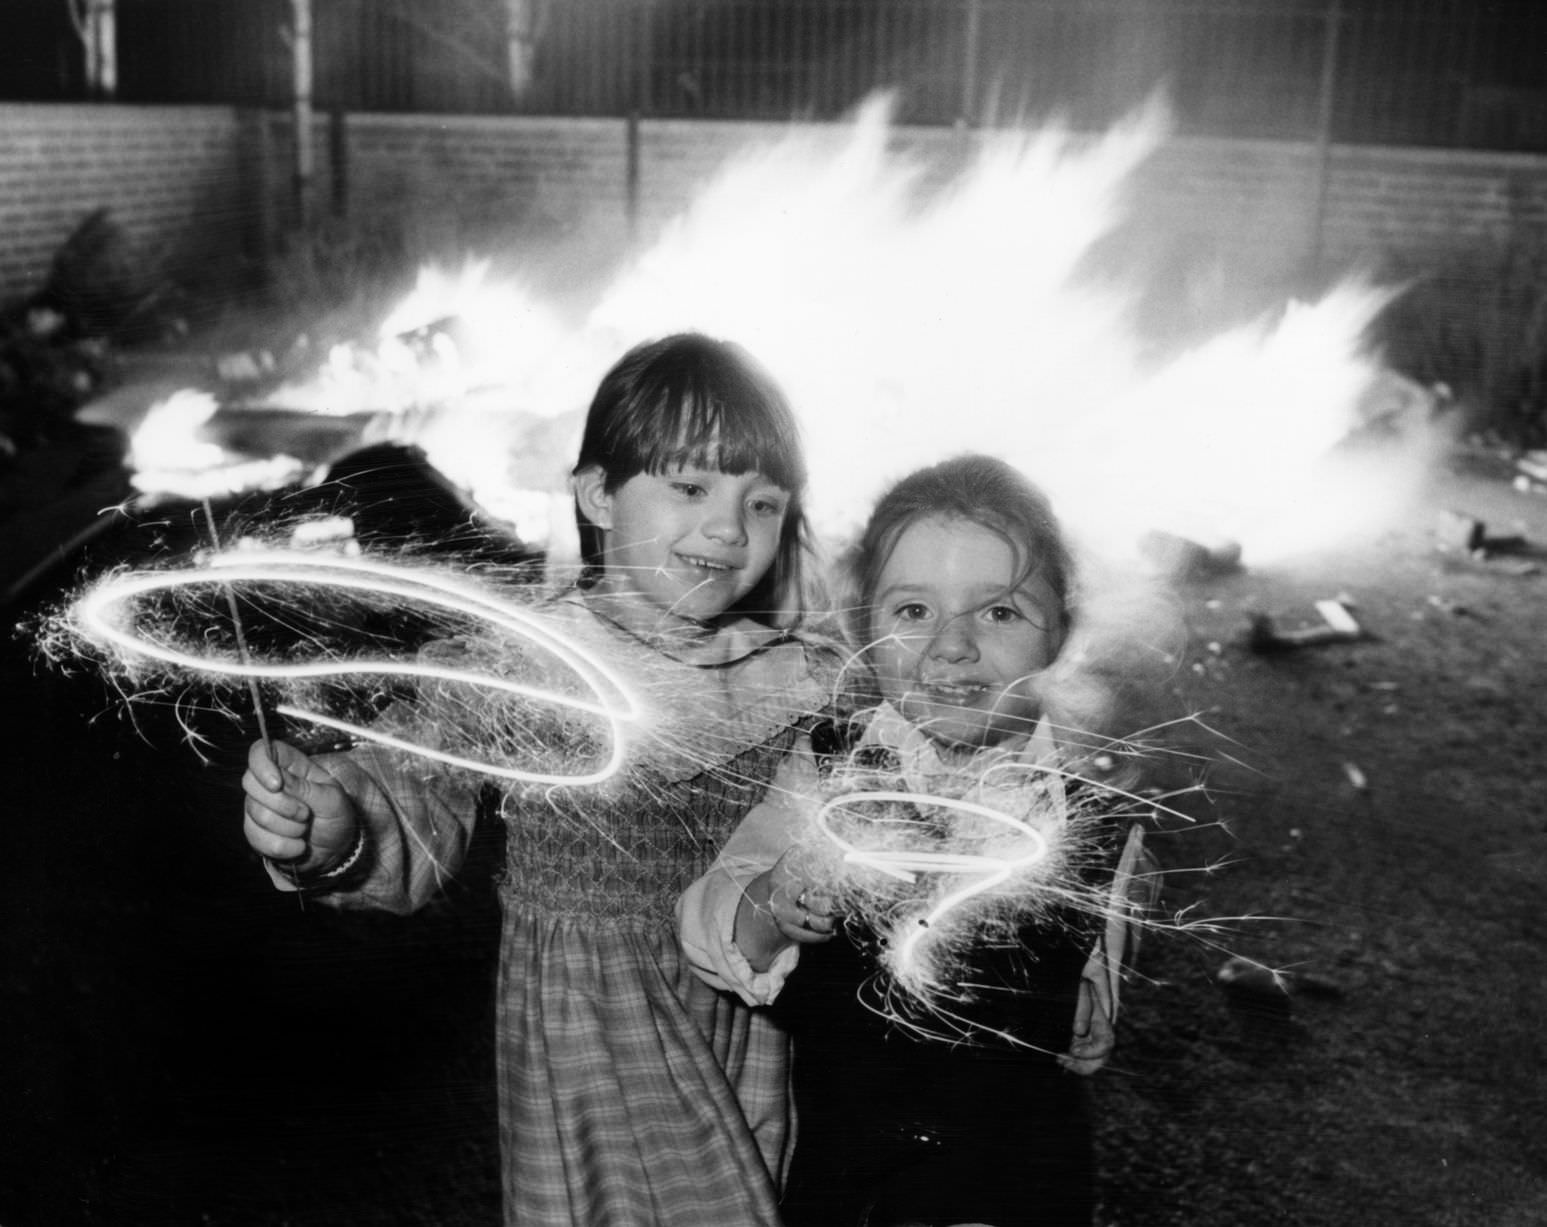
[592, 497]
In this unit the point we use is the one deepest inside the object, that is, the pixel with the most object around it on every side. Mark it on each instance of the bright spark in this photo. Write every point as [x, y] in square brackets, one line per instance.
[102, 618]
[906, 863]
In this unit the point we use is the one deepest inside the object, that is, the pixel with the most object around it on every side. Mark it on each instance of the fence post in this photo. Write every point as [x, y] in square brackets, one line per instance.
[265, 189]
[301, 105]
[1326, 115]
[98, 29]
[338, 160]
[967, 105]
[631, 174]
[643, 68]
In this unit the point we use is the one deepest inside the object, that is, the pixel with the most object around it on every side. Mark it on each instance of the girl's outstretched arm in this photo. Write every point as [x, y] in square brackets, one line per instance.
[742, 922]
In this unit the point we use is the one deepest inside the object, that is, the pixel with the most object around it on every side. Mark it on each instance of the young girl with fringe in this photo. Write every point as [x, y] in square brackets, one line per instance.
[630, 1091]
[941, 1030]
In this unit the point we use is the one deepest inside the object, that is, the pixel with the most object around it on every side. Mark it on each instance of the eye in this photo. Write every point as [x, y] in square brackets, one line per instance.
[911, 611]
[769, 505]
[1003, 615]
[688, 489]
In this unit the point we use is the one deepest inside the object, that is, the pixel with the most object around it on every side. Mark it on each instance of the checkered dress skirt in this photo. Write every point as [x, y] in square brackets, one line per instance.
[631, 1093]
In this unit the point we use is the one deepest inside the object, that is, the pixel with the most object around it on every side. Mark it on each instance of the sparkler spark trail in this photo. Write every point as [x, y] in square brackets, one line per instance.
[905, 864]
[933, 869]
[102, 617]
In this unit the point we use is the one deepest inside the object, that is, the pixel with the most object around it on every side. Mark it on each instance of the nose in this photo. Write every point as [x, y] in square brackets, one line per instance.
[954, 642]
[725, 522]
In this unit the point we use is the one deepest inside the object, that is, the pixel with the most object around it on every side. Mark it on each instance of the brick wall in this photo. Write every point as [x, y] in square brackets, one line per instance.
[174, 177]
[209, 188]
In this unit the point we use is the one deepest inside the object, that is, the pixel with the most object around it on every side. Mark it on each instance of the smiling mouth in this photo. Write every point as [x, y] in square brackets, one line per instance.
[957, 693]
[705, 564]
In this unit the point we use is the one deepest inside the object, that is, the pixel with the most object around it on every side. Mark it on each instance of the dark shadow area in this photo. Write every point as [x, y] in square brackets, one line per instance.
[179, 1042]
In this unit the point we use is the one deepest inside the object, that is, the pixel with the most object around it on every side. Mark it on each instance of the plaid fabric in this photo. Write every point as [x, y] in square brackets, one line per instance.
[631, 1093]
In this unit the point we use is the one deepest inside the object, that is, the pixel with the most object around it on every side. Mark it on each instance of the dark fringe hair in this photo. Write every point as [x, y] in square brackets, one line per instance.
[692, 400]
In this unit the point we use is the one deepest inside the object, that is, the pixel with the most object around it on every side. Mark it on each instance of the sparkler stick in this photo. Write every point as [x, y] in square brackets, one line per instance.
[241, 644]
[253, 692]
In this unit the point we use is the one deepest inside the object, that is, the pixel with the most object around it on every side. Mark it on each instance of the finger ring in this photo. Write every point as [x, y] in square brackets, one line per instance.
[800, 899]
[805, 920]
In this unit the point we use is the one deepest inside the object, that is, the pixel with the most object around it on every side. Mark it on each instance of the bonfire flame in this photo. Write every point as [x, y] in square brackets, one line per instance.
[909, 318]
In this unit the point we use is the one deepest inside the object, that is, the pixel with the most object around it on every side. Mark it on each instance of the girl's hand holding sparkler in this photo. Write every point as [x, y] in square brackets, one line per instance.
[297, 815]
[779, 907]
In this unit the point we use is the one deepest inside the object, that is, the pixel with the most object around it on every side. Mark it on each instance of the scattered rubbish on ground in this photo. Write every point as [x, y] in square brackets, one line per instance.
[1457, 529]
[1338, 625]
[1241, 975]
[1511, 553]
[1533, 465]
[1531, 472]
[1246, 978]
[1455, 608]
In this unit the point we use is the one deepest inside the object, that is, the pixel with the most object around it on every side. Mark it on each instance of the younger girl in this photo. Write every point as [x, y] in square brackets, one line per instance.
[964, 602]
[630, 1092]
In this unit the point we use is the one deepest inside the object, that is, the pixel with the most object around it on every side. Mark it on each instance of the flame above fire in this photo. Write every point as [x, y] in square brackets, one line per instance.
[910, 316]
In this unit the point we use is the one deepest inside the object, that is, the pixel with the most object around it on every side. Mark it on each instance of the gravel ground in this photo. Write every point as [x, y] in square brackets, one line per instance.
[183, 1045]
[1392, 833]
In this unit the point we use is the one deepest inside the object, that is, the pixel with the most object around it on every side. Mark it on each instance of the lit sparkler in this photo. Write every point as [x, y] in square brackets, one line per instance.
[102, 616]
[986, 872]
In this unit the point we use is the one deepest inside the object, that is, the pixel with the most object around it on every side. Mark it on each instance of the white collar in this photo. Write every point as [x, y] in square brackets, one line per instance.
[923, 766]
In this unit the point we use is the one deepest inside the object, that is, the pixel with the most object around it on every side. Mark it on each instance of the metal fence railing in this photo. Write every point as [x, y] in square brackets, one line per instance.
[1428, 72]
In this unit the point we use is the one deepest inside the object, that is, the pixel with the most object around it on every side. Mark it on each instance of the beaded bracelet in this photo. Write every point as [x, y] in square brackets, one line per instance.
[313, 879]
[348, 863]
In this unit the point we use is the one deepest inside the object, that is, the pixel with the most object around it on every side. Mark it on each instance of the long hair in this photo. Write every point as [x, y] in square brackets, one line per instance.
[982, 490]
[692, 400]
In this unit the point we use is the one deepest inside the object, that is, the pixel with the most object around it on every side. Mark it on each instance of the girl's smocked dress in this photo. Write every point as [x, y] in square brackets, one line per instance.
[631, 1092]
